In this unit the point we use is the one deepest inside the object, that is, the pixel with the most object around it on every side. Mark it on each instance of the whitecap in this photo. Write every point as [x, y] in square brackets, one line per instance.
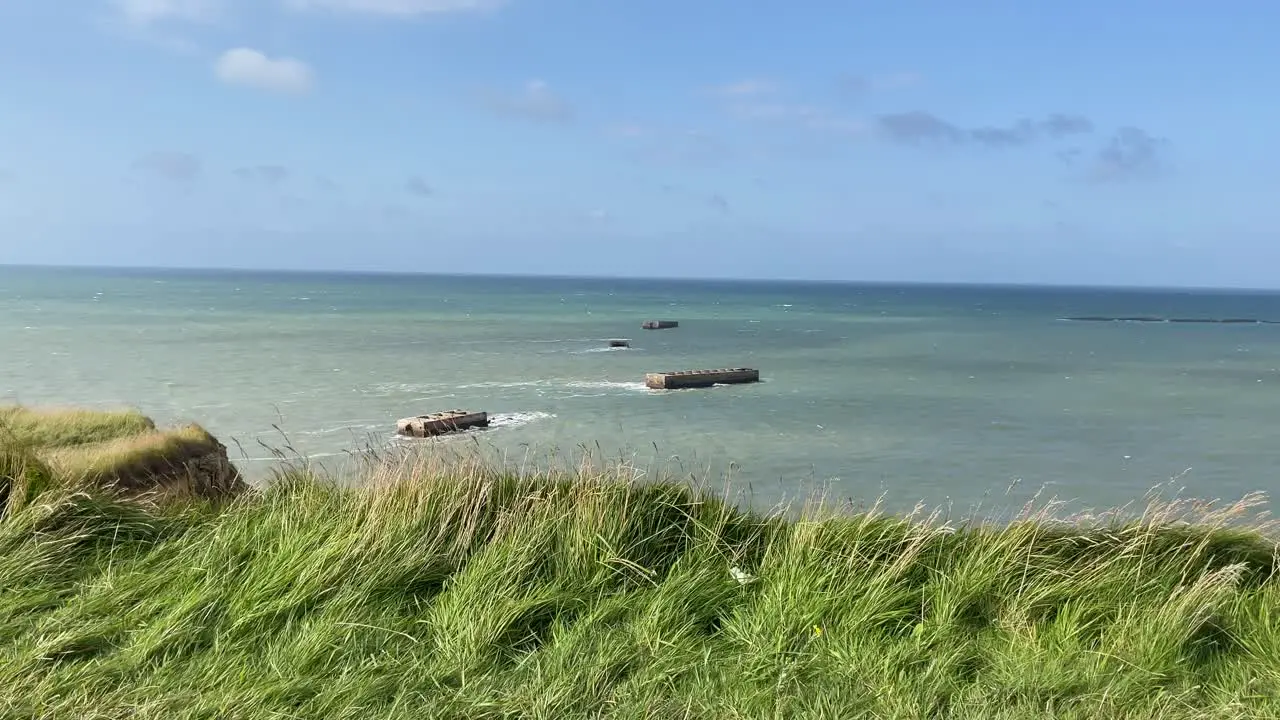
[393, 388]
[500, 385]
[517, 419]
[607, 385]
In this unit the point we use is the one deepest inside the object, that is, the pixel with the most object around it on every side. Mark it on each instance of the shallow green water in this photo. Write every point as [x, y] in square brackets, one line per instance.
[946, 395]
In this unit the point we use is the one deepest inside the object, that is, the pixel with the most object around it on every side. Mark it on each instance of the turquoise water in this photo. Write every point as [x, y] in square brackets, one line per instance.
[939, 394]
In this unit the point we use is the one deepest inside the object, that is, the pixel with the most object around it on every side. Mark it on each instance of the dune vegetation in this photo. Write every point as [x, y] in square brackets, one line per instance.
[448, 587]
[68, 427]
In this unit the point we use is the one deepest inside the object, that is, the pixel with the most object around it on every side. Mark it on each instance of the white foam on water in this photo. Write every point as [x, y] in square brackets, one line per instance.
[516, 419]
[393, 388]
[607, 385]
[500, 385]
[523, 341]
[352, 426]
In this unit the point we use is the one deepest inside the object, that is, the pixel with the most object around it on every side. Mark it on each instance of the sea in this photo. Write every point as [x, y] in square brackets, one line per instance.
[950, 397]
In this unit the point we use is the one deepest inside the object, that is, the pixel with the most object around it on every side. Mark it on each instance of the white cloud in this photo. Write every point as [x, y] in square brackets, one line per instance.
[147, 12]
[251, 68]
[395, 8]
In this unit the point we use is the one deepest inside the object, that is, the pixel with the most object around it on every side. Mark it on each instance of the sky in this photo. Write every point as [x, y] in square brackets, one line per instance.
[1080, 142]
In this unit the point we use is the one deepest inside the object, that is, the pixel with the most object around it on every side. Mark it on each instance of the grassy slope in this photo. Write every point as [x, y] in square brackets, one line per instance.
[66, 427]
[460, 592]
[87, 448]
[135, 455]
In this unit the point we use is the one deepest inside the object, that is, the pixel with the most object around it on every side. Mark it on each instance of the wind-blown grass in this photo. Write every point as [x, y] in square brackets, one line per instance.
[118, 452]
[460, 590]
[66, 427]
[141, 454]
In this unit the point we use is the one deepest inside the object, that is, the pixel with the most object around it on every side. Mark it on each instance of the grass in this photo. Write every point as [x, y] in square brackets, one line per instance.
[123, 458]
[120, 452]
[451, 588]
[67, 427]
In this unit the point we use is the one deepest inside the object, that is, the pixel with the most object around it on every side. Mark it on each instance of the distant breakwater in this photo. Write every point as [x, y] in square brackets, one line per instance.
[1156, 319]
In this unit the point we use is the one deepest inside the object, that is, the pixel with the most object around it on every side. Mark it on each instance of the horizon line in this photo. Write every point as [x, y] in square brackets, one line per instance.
[653, 278]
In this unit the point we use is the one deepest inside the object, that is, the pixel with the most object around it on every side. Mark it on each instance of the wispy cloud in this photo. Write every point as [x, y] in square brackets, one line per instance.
[918, 127]
[627, 130]
[1131, 153]
[326, 184]
[161, 23]
[755, 87]
[395, 211]
[1062, 125]
[762, 100]
[396, 8]
[170, 165]
[684, 147]
[858, 84]
[536, 101]
[269, 174]
[810, 117]
[147, 12]
[251, 68]
[416, 185]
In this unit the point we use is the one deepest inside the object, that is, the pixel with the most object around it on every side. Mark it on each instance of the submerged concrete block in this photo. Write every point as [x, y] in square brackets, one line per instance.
[441, 422]
[700, 378]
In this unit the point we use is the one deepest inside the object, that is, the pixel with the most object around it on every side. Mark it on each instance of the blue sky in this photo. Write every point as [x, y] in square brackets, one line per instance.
[1076, 142]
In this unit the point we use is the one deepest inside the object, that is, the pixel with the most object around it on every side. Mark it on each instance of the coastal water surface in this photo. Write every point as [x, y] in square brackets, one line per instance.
[938, 394]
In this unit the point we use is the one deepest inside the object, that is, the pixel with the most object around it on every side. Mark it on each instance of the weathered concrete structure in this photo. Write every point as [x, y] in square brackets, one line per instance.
[441, 422]
[700, 378]
[659, 324]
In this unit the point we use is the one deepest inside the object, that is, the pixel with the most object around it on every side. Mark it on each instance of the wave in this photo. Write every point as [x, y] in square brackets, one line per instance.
[352, 426]
[432, 388]
[517, 419]
[524, 341]
[424, 392]
[493, 384]
[1158, 319]
[392, 388]
[606, 385]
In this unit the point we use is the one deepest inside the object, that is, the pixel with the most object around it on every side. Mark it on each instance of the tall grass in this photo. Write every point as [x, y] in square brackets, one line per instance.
[444, 589]
[138, 455]
[66, 427]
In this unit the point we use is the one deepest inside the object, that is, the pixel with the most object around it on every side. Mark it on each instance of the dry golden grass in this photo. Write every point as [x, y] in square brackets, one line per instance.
[117, 450]
[143, 455]
[66, 427]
